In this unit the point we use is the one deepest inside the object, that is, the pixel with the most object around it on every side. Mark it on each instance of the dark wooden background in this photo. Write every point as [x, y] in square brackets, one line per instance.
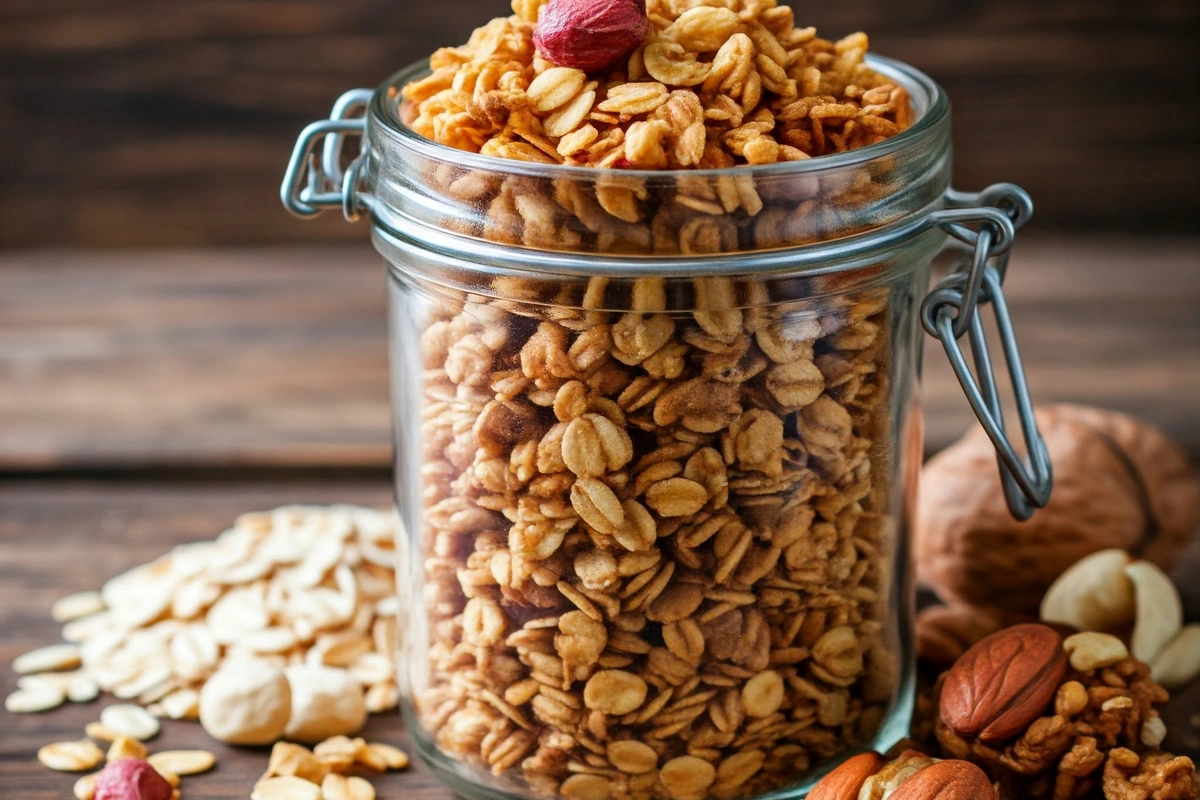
[135, 123]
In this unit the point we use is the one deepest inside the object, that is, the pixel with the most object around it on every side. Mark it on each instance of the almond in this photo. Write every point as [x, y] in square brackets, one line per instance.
[947, 780]
[845, 782]
[1003, 683]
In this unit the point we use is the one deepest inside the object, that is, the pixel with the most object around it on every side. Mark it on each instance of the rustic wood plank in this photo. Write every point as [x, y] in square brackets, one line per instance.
[278, 357]
[58, 537]
[168, 123]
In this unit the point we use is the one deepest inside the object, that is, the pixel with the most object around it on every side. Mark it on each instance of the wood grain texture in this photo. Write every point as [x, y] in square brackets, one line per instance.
[258, 358]
[156, 124]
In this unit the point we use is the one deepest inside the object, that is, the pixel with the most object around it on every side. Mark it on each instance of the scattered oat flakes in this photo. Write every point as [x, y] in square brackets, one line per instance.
[130, 720]
[182, 762]
[71, 756]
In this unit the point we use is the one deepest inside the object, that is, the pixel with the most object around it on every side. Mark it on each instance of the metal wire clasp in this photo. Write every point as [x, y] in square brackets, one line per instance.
[311, 186]
[952, 310]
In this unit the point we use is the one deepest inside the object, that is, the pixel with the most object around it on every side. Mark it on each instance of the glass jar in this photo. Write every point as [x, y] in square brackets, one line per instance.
[657, 437]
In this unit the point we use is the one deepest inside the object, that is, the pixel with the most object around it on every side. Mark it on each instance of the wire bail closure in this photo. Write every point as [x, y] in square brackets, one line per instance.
[952, 310]
[311, 185]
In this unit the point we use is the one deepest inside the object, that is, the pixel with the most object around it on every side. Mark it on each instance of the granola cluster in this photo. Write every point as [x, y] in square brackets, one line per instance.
[715, 84]
[1102, 739]
[657, 544]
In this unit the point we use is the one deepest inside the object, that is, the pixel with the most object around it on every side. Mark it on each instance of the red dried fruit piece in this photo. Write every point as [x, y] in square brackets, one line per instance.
[590, 35]
[131, 779]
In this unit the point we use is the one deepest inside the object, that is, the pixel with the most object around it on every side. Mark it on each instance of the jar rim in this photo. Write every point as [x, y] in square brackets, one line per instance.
[386, 103]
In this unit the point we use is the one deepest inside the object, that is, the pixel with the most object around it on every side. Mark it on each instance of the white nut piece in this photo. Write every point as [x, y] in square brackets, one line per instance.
[1179, 662]
[1094, 594]
[246, 702]
[326, 701]
[1091, 650]
[1159, 610]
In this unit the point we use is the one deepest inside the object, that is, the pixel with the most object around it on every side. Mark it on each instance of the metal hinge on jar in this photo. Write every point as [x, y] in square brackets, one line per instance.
[311, 186]
[952, 310]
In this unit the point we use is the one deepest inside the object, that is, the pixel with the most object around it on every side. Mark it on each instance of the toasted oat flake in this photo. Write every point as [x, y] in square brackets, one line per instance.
[70, 756]
[130, 720]
[182, 762]
[85, 787]
[47, 659]
[76, 606]
[42, 697]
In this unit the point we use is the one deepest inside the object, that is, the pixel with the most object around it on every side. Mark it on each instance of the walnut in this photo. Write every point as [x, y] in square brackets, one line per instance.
[1118, 483]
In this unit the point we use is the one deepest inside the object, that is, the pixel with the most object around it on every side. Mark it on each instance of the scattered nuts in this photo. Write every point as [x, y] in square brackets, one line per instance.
[947, 780]
[1159, 610]
[129, 720]
[182, 762]
[944, 633]
[246, 703]
[1179, 662]
[1004, 682]
[1090, 650]
[845, 782]
[1094, 594]
[70, 756]
[1118, 483]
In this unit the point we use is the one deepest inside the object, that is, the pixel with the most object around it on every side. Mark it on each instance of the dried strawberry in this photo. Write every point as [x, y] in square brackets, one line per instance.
[131, 779]
[590, 35]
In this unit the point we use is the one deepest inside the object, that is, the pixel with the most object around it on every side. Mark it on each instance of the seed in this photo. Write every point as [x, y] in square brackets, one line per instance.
[76, 606]
[632, 756]
[285, 787]
[53, 658]
[183, 762]
[40, 698]
[70, 756]
[130, 720]
[763, 694]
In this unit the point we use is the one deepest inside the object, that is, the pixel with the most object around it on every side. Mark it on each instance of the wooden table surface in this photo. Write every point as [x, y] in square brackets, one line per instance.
[148, 398]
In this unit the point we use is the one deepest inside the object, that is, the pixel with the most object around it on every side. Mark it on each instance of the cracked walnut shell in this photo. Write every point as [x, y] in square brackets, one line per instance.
[1118, 483]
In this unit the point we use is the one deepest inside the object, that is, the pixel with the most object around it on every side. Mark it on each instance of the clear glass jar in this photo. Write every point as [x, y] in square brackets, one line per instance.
[657, 438]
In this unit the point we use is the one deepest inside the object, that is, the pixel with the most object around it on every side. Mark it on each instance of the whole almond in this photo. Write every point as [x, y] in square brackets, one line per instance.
[1003, 683]
[845, 782]
[947, 780]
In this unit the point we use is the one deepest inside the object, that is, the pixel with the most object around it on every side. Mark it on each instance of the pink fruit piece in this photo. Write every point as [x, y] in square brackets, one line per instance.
[131, 779]
[590, 35]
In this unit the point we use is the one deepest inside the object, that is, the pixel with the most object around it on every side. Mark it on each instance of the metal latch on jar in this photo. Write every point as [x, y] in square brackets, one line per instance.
[952, 310]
